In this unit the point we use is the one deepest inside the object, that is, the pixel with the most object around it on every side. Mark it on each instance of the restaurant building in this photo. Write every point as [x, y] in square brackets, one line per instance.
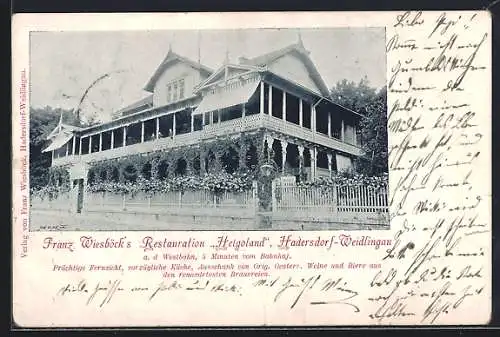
[274, 107]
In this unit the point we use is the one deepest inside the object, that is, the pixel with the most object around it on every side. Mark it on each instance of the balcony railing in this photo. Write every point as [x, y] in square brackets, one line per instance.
[235, 126]
[139, 148]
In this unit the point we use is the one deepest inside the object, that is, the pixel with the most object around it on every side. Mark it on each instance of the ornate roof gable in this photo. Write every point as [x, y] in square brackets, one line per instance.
[296, 50]
[169, 60]
[228, 71]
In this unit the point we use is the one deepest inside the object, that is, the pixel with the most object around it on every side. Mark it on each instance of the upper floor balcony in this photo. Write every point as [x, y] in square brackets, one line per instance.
[158, 142]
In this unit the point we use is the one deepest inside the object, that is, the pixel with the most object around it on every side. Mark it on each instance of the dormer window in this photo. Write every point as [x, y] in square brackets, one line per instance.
[175, 90]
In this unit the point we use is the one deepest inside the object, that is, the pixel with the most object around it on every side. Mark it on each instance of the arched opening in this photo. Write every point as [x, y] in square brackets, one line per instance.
[130, 173]
[163, 169]
[251, 157]
[103, 175]
[196, 164]
[322, 160]
[230, 160]
[292, 159]
[210, 161]
[115, 175]
[91, 177]
[306, 172]
[277, 153]
[180, 168]
[146, 171]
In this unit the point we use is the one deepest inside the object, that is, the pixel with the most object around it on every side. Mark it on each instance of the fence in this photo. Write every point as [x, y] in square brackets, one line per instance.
[62, 202]
[190, 201]
[328, 200]
[339, 204]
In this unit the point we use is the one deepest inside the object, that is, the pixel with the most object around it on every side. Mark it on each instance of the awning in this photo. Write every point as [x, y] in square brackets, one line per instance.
[227, 98]
[58, 141]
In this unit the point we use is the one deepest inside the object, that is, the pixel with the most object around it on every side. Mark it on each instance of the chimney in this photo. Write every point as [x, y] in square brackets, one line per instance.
[242, 60]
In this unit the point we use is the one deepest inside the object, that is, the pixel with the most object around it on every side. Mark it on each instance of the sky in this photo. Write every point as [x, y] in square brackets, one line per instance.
[64, 64]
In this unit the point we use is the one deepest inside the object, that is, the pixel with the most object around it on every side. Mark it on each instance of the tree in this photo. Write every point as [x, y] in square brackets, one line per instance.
[373, 131]
[352, 95]
[42, 122]
[363, 98]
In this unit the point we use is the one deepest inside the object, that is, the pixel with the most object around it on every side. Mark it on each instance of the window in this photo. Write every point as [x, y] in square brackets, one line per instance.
[169, 93]
[176, 90]
[181, 89]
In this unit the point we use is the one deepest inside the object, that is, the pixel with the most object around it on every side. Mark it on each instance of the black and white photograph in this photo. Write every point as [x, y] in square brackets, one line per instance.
[183, 130]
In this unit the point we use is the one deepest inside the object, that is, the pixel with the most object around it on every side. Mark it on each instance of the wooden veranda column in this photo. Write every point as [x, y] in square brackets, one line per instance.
[284, 145]
[301, 112]
[329, 124]
[261, 107]
[283, 111]
[74, 145]
[342, 130]
[100, 142]
[174, 125]
[270, 101]
[313, 118]
[112, 145]
[269, 141]
[313, 153]
[142, 132]
[301, 160]
[80, 149]
[157, 127]
[124, 140]
[329, 156]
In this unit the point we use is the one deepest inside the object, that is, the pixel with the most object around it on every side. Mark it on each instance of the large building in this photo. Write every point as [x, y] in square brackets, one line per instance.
[272, 107]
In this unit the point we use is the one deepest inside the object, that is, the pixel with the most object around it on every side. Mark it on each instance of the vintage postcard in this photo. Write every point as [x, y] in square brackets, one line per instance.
[251, 169]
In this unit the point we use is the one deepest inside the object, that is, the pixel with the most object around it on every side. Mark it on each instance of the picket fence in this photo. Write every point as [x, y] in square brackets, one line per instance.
[168, 201]
[338, 199]
[62, 202]
[286, 200]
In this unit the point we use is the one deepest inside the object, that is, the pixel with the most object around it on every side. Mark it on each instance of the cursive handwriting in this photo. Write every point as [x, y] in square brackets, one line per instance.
[436, 154]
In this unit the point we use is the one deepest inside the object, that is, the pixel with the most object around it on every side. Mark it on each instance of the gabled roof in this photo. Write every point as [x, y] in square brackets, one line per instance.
[63, 128]
[169, 59]
[220, 72]
[301, 52]
[144, 101]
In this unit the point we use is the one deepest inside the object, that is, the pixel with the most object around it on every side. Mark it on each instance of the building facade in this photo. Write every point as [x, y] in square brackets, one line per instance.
[271, 108]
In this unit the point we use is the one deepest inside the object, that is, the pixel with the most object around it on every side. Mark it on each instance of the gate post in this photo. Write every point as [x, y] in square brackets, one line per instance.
[265, 196]
[78, 173]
